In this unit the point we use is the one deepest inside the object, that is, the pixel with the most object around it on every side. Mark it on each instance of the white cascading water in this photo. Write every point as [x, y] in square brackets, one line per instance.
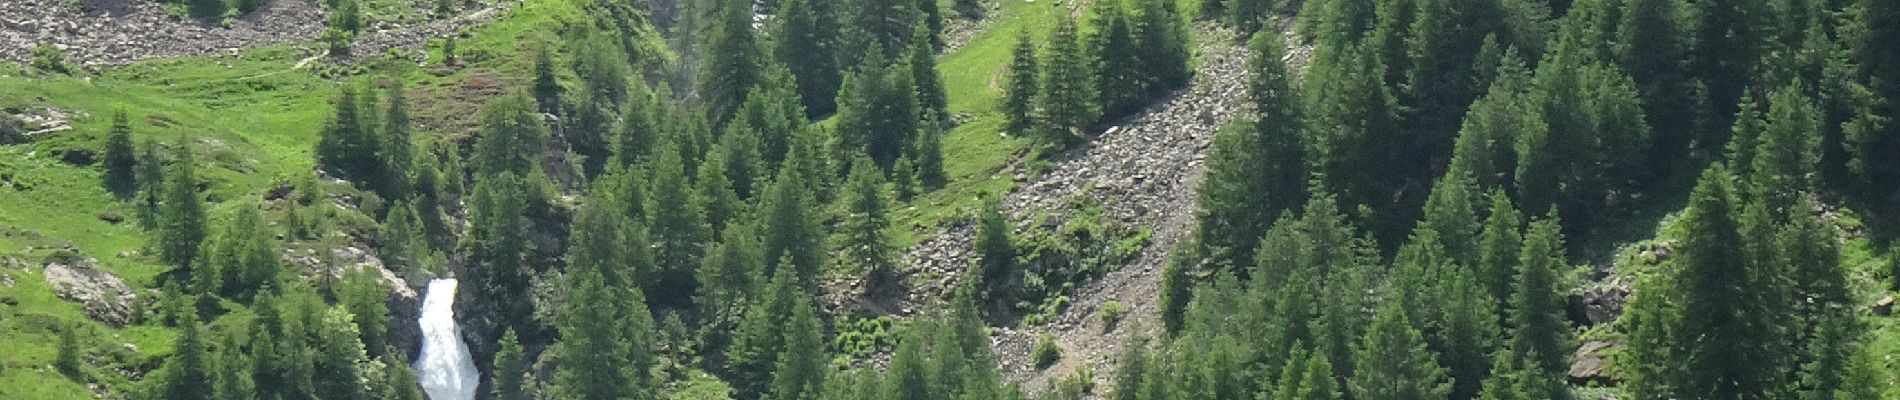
[444, 369]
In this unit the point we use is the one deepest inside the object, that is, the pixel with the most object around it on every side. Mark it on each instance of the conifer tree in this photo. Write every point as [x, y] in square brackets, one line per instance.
[1485, 148]
[120, 164]
[867, 240]
[510, 369]
[888, 23]
[398, 154]
[810, 42]
[791, 228]
[67, 359]
[638, 131]
[1653, 44]
[1121, 90]
[364, 298]
[800, 370]
[1354, 120]
[1500, 249]
[877, 111]
[1452, 211]
[1020, 95]
[513, 140]
[350, 146]
[595, 358]
[151, 180]
[713, 192]
[996, 254]
[499, 235]
[1393, 362]
[909, 375]
[1317, 381]
[1247, 16]
[1068, 96]
[1163, 39]
[772, 111]
[188, 369]
[1787, 154]
[759, 339]
[678, 231]
[182, 215]
[1730, 38]
[1536, 319]
[735, 62]
[932, 103]
[1697, 335]
[547, 89]
[930, 174]
[233, 380]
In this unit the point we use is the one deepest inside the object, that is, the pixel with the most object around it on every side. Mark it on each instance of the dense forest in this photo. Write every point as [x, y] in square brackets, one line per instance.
[730, 199]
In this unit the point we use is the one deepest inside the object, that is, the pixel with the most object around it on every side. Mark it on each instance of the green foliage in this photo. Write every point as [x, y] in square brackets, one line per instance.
[794, 239]
[1393, 362]
[595, 354]
[878, 111]
[922, 58]
[189, 367]
[996, 253]
[1045, 353]
[1120, 89]
[209, 10]
[1068, 97]
[513, 138]
[677, 230]
[1021, 93]
[759, 339]
[120, 162]
[182, 217]
[800, 371]
[242, 256]
[1110, 313]
[510, 369]
[67, 362]
[365, 298]
[1536, 319]
[736, 62]
[811, 44]
[867, 244]
[151, 178]
[49, 58]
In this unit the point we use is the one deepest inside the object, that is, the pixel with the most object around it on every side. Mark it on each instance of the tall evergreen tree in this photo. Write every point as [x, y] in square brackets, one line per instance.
[800, 370]
[510, 369]
[1730, 38]
[678, 231]
[594, 364]
[1704, 331]
[1162, 38]
[1393, 362]
[1354, 124]
[499, 235]
[188, 369]
[1257, 169]
[810, 41]
[1122, 90]
[1536, 319]
[996, 254]
[513, 140]
[931, 101]
[151, 190]
[735, 63]
[1486, 148]
[867, 241]
[350, 146]
[791, 228]
[120, 162]
[1068, 96]
[1500, 249]
[888, 23]
[1021, 93]
[232, 379]
[1654, 45]
[398, 154]
[182, 215]
[760, 339]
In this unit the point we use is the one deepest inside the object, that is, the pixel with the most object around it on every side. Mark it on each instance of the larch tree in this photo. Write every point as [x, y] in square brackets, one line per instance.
[1021, 91]
[1068, 96]
[866, 227]
[232, 379]
[182, 215]
[188, 369]
[1500, 249]
[736, 61]
[1536, 319]
[932, 103]
[1121, 89]
[151, 180]
[120, 162]
[800, 370]
[810, 40]
[1256, 169]
[510, 369]
[677, 230]
[1394, 363]
[594, 357]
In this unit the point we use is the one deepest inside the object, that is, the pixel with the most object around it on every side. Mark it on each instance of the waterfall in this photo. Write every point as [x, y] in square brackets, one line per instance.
[445, 369]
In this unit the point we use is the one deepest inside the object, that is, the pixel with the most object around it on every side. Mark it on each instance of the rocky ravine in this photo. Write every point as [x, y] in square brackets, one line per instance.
[1145, 170]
